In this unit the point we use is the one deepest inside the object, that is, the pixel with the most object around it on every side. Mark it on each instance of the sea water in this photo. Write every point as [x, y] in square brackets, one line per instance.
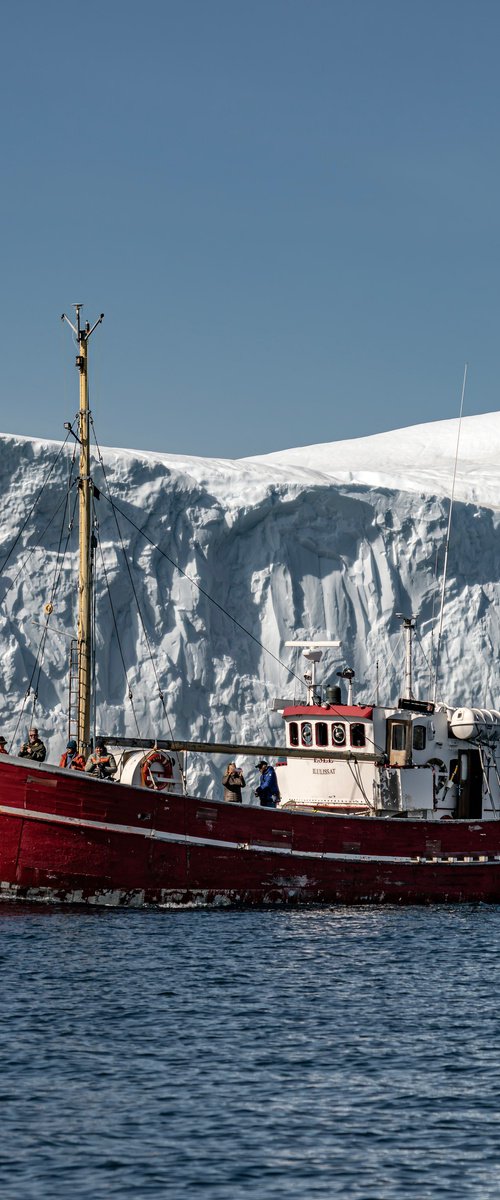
[222, 1054]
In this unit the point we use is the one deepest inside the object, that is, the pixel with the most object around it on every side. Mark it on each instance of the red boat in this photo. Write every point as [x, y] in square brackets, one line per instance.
[376, 804]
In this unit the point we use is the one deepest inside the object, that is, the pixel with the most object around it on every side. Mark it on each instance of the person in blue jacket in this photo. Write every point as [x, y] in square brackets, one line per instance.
[268, 790]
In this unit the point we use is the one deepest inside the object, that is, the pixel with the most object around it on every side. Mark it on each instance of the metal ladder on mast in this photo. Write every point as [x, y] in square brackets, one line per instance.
[73, 690]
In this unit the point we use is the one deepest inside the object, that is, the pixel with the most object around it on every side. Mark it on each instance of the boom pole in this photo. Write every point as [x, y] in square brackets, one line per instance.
[85, 486]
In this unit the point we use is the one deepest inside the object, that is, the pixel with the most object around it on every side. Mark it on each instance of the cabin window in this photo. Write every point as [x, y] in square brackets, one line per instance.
[321, 733]
[419, 737]
[294, 733]
[398, 737]
[307, 733]
[357, 735]
[338, 733]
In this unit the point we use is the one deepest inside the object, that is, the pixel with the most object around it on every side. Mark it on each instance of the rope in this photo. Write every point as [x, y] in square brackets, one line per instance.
[127, 564]
[37, 666]
[26, 561]
[492, 761]
[116, 508]
[355, 769]
[391, 656]
[377, 748]
[201, 589]
[59, 563]
[34, 505]
[427, 661]
[139, 610]
[130, 693]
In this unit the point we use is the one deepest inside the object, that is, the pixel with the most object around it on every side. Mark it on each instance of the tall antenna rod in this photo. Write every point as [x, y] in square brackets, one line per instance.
[85, 486]
[409, 624]
[445, 568]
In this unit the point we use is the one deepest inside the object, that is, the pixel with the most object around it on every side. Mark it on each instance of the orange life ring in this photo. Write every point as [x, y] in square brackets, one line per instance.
[157, 770]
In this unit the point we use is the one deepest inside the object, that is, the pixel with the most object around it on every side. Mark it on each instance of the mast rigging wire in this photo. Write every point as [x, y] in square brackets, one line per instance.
[445, 567]
[33, 686]
[201, 589]
[59, 563]
[139, 610]
[34, 505]
[115, 623]
[47, 526]
[172, 561]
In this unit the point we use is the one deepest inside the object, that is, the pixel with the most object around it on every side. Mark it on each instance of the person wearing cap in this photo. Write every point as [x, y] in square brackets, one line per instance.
[101, 762]
[34, 747]
[71, 758]
[268, 790]
[3, 749]
[233, 781]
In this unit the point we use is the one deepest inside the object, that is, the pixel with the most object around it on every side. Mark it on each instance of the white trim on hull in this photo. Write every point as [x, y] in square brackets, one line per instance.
[461, 859]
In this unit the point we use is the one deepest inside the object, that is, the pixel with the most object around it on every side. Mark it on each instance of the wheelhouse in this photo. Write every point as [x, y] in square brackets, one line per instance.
[343, 727]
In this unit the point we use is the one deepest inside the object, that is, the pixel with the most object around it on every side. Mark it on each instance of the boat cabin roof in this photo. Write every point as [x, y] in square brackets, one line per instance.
[334, 712]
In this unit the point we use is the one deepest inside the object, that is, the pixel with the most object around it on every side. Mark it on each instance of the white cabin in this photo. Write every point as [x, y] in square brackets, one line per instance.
[419, 759]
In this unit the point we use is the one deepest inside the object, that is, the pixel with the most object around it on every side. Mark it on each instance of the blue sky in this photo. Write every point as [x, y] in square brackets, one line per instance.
[288, 211]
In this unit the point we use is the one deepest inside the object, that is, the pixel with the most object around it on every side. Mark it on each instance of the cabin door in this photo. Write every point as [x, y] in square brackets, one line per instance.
[470, 785]
[398, 742]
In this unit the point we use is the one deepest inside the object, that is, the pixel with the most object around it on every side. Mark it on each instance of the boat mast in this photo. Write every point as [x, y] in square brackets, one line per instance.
[409, 624]
[85, 487]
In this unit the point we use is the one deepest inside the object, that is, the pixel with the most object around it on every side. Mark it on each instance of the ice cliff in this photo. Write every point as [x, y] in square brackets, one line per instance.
[328, 541]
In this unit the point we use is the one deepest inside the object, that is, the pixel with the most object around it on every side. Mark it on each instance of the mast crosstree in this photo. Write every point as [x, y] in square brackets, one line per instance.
[82, 334]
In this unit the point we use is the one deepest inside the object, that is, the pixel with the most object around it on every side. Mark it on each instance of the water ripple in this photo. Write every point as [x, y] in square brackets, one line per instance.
[271, 1054]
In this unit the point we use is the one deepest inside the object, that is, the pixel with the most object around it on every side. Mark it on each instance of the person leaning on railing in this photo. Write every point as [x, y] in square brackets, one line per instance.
[101, 762]
[71, 759]
[34, 747]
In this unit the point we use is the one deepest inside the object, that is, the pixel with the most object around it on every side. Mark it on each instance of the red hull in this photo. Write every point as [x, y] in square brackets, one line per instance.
[68, 837]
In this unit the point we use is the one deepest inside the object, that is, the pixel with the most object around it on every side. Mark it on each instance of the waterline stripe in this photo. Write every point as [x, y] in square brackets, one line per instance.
[185, 839]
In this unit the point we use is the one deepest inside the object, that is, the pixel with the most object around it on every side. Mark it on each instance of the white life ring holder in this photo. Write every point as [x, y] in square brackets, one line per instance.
[162, 776]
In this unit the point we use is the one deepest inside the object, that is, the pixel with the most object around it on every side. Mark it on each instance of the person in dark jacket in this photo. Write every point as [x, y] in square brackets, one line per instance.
[233, 781]
[268, 790]
[101, 762]
[34, 747]
[71, 759]
[3, 746]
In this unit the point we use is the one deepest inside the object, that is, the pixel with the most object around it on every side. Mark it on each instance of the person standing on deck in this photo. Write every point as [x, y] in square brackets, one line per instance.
[2, 746]
[268, 790]
[233, 781]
